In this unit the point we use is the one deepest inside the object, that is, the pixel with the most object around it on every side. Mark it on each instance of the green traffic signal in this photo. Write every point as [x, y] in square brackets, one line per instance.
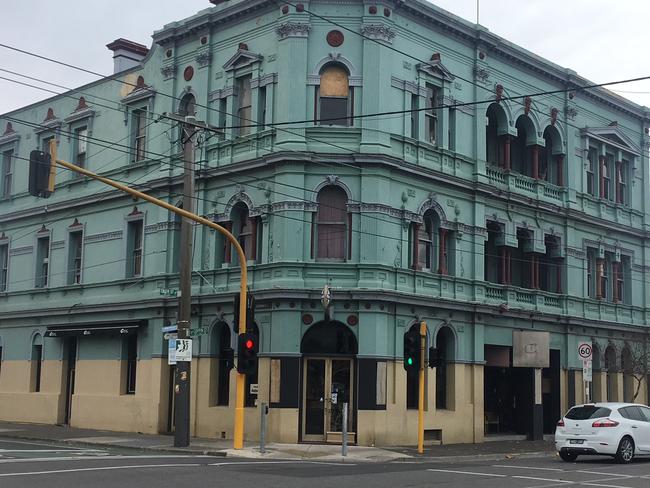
[409, 361]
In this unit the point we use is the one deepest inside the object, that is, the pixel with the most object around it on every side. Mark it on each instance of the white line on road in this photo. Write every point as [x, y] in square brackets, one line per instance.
[51, 450]
[525, 467]
[6, 440]
[543, 479]
[588, 483]
[604, 474]
[233, 463]
[103, 468]
[468, 473]
[103, 458]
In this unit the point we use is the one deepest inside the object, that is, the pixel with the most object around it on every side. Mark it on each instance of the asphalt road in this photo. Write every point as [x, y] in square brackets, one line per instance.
[35, 464]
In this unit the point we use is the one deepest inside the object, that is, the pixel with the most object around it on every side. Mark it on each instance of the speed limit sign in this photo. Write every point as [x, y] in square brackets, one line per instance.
[584, 351]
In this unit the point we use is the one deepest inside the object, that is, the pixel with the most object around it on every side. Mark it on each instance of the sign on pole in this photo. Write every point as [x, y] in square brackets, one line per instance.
[584, 351]
[171, 352]
[587, 370]
[183, 350]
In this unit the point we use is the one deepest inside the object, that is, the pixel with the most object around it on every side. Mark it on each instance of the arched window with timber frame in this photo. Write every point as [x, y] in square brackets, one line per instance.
[186, 107]
[332, 226]
[247, 231]
[334, 97]
[551, 158]
[524, 150]
[432, 246]
[445, 384]
[497, 139]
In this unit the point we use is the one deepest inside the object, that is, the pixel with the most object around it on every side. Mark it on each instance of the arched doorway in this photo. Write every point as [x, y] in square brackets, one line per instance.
[329, 350]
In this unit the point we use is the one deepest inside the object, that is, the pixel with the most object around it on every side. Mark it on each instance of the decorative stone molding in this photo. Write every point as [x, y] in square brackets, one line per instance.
[378, 32]
[571, 113]
[162, 226]
[203, 58]
[139, 94]
[221, 93]
[168, 71]
[58, 245]
[104, 236]
[19, 251]
[243, 57]
[408, 86]
[10, 135]
[292, 29]
[268, 79]
[481, 74]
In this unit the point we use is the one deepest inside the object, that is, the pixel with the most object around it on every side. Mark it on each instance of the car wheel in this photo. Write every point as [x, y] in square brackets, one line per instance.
[568, 456]
[625, 452]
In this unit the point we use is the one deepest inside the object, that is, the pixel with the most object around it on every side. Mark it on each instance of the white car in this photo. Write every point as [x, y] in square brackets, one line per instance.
[621, 430]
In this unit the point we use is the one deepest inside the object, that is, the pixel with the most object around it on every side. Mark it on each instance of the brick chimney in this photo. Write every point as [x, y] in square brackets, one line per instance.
[126, 54]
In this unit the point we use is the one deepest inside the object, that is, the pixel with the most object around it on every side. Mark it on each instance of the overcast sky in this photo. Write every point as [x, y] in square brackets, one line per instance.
[600, 39]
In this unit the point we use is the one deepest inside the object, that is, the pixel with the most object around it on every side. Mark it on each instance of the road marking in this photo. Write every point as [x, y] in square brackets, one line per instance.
[30, 443]
[542, 479]
[525, 467]
[588, 483]
[468, 473]
[78, 458]
[103, 468]
[604, 474]
[233, 463]
[51, 450]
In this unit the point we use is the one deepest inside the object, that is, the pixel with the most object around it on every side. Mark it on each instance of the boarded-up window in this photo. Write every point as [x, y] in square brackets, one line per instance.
[334, 97]
[331, 223]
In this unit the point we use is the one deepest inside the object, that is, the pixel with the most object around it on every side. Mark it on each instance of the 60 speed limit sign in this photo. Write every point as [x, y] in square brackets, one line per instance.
[584, 351]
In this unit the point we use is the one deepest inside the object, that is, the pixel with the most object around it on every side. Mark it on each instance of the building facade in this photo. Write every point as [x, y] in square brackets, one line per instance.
[420, 166]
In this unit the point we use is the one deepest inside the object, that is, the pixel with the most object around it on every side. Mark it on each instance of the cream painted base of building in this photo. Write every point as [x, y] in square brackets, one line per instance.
[100, 401]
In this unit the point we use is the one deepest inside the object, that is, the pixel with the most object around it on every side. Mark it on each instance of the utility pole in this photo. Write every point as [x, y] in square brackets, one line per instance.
[183, 368]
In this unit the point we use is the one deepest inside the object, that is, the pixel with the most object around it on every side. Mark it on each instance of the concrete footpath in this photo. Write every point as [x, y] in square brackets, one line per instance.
[493, 450]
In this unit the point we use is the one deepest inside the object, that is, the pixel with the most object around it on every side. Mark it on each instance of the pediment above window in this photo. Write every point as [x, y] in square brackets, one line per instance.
[141, 91]
[83, 111]
[242, 58]
[51, 122]
[436, 69]
[9, 135]
[614, 136]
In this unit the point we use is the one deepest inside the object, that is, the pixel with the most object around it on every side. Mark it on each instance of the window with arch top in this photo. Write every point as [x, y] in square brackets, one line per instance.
[334, 97]
[432, 247]
[332, 225]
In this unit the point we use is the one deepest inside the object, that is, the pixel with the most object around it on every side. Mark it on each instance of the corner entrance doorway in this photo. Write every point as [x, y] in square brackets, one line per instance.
[329, 350]
[328, 385]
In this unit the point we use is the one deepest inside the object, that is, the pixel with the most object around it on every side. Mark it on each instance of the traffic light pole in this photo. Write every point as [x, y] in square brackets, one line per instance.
[423, 340]
[184, 368]
[241, 379]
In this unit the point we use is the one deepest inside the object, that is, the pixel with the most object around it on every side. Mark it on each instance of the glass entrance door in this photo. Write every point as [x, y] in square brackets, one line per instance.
[328, 385]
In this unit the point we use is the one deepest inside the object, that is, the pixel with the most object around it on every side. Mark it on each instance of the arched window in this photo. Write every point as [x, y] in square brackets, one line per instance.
[627, 363]
[187, 106]
[446, 350]
[334, 97]
[523, 151]
[551, 159]
[246, 230]
[432, 245]
[497, 139]
[332, 225]
[36, 363]
[222, 362]
[610, 366]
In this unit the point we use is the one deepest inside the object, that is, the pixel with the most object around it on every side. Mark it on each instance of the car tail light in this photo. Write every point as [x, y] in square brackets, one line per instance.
[605, 423]
[560, 423]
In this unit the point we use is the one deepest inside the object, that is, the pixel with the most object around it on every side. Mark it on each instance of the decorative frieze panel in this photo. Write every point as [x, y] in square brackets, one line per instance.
[19, 251]
[203, 58]
[292, 29]
[104, 236]
[168, 72]
[162, 227]
[58, 245]
[378, 32]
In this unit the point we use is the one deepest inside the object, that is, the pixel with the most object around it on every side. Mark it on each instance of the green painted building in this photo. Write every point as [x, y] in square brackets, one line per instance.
[394, 152]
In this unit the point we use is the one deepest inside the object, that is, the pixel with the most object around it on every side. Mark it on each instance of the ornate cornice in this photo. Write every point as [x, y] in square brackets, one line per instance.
[203, 58]
[378, 32]
[162, 226]
[292, 29]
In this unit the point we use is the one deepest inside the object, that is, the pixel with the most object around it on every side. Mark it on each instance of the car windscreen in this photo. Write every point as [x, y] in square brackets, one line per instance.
[587, 412]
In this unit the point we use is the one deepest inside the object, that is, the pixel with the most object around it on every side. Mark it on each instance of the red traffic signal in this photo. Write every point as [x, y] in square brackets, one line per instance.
[247, 347]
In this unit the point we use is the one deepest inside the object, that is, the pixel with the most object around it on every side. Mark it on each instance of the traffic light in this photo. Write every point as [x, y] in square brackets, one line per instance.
[40, 165]
[412, 351]
[250, 313]
[247, 347]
